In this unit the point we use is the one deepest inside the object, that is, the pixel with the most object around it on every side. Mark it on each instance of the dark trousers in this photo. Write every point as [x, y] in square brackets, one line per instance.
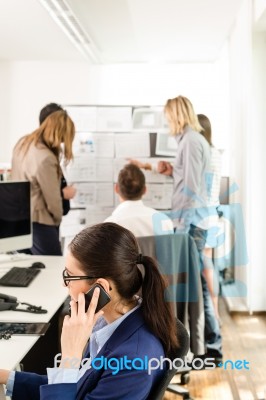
[46, 240]
[213, 338]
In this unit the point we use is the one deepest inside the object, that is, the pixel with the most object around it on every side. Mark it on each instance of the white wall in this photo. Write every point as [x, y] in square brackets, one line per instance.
[34, 84]
[240, 55]
[248, 149]
[4, 110]
[259, 8]
[258, 187]
[31, 85]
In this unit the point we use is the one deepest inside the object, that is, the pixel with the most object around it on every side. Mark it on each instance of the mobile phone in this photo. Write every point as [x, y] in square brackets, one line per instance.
[103, 299]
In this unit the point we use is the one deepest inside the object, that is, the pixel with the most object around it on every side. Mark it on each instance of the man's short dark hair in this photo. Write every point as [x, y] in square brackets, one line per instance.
[49, 109]
[131, 182]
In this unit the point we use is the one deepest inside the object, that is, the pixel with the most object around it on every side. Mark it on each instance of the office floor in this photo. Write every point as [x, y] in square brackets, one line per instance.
[244, 337]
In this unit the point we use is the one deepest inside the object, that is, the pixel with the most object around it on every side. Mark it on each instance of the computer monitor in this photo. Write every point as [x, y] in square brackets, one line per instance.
[15, 216]
[166, 145]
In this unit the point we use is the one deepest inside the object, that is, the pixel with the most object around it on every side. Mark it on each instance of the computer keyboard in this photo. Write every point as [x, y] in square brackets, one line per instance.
[19, 277]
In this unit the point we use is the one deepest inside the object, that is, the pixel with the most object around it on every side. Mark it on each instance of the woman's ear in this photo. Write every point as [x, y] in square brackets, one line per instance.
[117, 188]
[105, 284]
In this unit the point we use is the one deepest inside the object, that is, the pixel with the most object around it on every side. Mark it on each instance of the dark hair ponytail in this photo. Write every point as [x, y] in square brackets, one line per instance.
[157, 312]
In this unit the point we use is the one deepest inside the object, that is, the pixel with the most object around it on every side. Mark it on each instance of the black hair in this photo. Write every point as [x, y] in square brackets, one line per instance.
[49, 109]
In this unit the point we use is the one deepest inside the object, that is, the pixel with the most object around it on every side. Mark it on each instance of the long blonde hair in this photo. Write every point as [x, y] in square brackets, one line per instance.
[56, 129]
[180, 113]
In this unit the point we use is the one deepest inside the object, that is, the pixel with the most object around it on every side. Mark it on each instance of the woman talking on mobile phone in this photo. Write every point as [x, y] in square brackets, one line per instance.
[127, 328]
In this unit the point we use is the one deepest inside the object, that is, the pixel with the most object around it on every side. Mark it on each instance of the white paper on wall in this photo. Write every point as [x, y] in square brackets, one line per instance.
[97, 144]
[81, 169]
[84, 117]
[104, 170]
[114, 119]
[86, 194]
[86, 168]
[132, 145]
[105, 194]
[158, 196]
[104, 144]
[92, 194]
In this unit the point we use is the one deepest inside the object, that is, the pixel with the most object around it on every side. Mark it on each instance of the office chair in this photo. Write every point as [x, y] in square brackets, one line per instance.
[178, 261]
[164, 384]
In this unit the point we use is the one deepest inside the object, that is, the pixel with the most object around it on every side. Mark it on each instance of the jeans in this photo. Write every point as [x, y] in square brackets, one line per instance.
[213, 338]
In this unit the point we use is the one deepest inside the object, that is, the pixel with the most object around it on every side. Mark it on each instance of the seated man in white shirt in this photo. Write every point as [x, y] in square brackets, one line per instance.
[132, 213]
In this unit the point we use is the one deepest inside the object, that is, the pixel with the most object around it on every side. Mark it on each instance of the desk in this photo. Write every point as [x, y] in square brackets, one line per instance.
[13, 350]
[45, 290]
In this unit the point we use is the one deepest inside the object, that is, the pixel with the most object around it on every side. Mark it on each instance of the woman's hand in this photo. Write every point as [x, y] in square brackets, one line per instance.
[146, 166]
[69, 192]
[77, 329]
[4, 376]
[165, 168]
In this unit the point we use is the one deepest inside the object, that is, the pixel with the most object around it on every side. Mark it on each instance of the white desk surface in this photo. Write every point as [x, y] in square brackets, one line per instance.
[45, 290]
[12, 351]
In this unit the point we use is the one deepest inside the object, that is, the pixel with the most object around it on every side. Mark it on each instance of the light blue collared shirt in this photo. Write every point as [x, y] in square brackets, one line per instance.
[102, 331]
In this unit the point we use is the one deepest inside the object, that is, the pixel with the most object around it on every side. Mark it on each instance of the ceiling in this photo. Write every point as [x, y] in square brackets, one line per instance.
[27, 32]
[123, 31]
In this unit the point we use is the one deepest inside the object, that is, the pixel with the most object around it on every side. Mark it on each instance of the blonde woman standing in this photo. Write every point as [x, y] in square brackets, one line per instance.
[36, 158]
[190, 171]
[189, 199]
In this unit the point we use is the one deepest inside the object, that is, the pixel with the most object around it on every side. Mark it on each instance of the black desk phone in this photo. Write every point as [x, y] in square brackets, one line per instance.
[8, 302]
[11, 303]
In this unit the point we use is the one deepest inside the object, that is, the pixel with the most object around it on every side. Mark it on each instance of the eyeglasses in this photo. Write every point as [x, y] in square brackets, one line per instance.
[67, 278]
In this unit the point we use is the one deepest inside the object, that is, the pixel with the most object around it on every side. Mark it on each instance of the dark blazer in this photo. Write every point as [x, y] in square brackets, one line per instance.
[132, 339]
